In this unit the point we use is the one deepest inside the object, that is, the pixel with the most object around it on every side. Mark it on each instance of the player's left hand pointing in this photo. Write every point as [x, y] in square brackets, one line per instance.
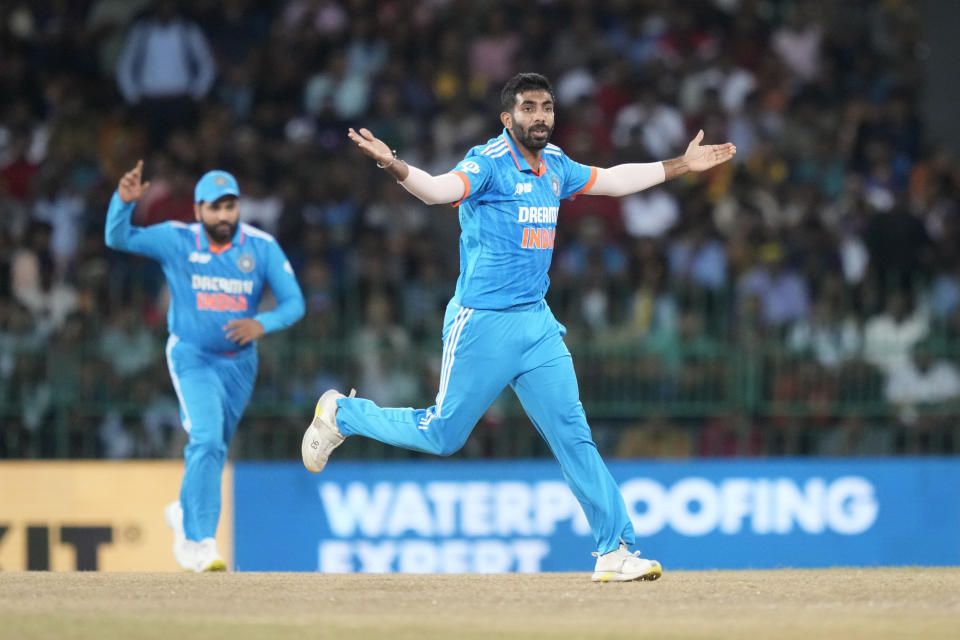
[130, 187]
[243, 331]
[702, 157]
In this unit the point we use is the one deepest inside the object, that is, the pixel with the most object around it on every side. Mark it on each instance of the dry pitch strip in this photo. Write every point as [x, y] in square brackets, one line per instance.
[832, 603]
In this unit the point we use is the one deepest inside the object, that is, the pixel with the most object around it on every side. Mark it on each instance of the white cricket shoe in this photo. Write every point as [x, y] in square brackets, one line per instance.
[323, 436]
[207, 557]
[184, 551]
[623, 566]
[190, 554]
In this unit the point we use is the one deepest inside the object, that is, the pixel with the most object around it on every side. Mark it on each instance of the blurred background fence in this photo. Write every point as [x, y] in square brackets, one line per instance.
[676, 395]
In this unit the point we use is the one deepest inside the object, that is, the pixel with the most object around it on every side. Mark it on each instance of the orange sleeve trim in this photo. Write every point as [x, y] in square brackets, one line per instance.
[466, 187]
[586, 187]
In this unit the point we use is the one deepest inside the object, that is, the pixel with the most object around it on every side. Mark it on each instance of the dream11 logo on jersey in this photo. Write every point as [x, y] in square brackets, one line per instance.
[538, 237]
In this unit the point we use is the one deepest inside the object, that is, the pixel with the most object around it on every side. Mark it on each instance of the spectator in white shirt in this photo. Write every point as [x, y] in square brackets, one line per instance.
[829, 337]
[166, 68]
[890, 336]
[922, 385]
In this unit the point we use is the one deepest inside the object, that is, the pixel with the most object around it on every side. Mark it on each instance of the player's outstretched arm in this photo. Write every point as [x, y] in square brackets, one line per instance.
[430, 189]
[624, 179]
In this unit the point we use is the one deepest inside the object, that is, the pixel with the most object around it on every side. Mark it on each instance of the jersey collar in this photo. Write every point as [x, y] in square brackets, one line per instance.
[203, 242]
[519, 160]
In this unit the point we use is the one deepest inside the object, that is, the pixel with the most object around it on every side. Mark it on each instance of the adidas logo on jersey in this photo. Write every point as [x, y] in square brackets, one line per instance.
[523, 187]
[202, 258]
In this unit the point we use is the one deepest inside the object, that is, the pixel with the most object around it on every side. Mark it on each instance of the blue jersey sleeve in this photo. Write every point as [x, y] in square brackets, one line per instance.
[283, 282]
[153, 241]
[476, 171]
[578, 178]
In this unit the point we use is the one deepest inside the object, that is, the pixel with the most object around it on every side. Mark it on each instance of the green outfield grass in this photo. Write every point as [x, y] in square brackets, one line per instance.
[784, 604]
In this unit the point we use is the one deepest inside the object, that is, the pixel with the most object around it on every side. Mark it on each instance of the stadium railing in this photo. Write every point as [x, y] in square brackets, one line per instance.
[677, 400]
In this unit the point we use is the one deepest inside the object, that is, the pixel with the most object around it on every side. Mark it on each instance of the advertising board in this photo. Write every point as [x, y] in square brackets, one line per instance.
[94, 515]
[519, 516]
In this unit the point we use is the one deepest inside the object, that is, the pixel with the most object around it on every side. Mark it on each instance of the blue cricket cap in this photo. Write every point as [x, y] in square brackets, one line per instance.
[214, 185]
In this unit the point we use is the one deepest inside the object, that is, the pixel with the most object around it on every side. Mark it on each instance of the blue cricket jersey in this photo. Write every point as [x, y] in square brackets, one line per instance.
[209, 288]
[508, 221]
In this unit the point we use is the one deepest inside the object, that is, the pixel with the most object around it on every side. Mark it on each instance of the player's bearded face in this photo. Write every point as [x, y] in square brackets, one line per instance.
[221, 232]
[220, 219]
[532, 119]
[534, 136]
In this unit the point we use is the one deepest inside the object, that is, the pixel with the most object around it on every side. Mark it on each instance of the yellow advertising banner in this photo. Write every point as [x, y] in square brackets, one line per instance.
[95, 515]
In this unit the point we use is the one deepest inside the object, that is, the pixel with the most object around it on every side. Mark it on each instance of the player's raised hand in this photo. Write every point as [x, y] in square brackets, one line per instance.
[702, 157]
[370, 145]
[131, 188]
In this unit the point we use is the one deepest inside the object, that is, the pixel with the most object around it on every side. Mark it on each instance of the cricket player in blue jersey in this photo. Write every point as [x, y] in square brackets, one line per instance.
[216, 270]
[498, 329]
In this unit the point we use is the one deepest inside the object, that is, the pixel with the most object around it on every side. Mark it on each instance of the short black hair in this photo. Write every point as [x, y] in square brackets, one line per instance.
[523, 82]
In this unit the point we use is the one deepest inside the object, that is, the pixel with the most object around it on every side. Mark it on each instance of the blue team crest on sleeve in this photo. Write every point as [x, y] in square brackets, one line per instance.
[246, 263]
[555, 183]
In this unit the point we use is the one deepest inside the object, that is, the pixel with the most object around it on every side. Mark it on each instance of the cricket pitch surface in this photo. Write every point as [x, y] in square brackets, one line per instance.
[911, 602]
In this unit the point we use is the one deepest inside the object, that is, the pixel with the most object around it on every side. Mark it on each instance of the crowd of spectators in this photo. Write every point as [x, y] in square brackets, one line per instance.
[804, 298]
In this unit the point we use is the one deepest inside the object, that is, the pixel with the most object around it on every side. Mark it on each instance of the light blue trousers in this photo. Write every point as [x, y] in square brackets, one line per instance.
[213, 391]
[483, 352]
